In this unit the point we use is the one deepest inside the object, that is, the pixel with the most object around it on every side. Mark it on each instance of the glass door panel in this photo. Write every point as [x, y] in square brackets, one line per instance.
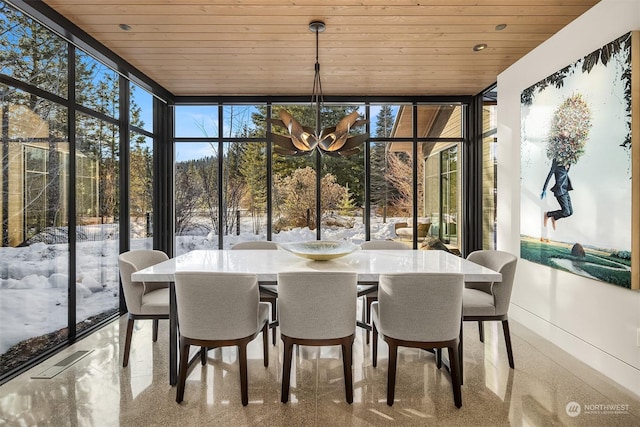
[97, 183]
[34, 257]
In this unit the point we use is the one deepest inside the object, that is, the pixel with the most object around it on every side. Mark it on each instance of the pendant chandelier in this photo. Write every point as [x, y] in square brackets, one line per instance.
[303, 140]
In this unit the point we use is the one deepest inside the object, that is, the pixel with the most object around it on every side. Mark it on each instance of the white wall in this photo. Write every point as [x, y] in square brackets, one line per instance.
[596, 322]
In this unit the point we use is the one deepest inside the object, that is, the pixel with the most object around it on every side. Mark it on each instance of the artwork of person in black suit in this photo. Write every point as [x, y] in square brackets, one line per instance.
[560, 191]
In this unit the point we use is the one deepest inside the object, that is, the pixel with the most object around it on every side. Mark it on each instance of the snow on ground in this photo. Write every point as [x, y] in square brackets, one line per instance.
[33, 279]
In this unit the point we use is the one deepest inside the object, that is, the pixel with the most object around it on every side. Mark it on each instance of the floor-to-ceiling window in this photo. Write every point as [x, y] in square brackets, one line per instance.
[34, 260]
[97, 137]
[489, 166]
[228, 162]
[384, 195]
[255, 174]
[97, 231]
[429, 183]
[442, 125]
[197, 177]
[342, 186]
[140, 168]
[294, 191]
[62, 152]
[220, 175]
[243, 172]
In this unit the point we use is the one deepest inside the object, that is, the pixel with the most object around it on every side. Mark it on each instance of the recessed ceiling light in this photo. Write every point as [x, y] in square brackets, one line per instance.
[124, 27]
[479, 47]
[501, 27]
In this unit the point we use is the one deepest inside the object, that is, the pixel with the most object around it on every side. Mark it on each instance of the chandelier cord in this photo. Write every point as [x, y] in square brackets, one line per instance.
[316, 95]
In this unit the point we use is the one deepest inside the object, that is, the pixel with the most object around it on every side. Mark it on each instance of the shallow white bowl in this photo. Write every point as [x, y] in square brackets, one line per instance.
[320, 250]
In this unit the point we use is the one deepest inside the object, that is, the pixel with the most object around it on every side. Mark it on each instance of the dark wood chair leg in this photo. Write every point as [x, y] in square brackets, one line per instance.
[363, 317]
[374, 351]
[127, 343]
[203, 356]
[391, 374]
[369, 300]
[366, 315]
[507, 340]
[182, 372]
[155, 330]
[438, 358]
[347, 350]
[455, 375]
[274, 317]
[481, 330]
[461, 355]
[244, 386]
[265, 344]
[286, 368]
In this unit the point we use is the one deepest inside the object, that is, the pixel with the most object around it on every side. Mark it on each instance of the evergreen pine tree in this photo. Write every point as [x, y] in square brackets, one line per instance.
[381, 191]
[253, 167]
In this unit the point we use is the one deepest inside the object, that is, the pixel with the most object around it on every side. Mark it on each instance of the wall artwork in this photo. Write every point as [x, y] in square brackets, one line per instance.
[579, 173]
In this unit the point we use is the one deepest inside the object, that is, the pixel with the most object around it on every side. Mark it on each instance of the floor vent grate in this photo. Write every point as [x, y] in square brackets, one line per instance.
[62, 365]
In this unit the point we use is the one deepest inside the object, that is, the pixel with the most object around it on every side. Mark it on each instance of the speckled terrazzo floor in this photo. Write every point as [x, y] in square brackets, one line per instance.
[97, 391]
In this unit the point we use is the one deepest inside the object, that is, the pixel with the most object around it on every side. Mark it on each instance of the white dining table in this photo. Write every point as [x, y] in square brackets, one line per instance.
[266, 264]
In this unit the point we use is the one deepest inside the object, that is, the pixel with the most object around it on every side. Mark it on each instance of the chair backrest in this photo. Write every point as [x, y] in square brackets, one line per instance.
[383, 244]
[217, 306]
[505, 264]
[129, 263]
[257, 244]
[420, 306]
[317, 304]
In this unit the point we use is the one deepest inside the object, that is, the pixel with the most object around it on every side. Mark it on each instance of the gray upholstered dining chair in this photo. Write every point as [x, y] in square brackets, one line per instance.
[219, 310]
[369, 291]
[484, 301]
[270, 291]
[145, 300]
[317, 308]
[419, 310]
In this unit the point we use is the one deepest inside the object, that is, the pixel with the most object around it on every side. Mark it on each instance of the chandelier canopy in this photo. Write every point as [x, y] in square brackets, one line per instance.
[302, 140]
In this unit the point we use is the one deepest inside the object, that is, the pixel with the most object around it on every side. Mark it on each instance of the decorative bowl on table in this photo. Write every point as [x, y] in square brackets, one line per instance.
[320, 250]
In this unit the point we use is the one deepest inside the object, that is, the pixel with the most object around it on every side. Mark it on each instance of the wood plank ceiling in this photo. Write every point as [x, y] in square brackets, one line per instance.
[372, 47]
